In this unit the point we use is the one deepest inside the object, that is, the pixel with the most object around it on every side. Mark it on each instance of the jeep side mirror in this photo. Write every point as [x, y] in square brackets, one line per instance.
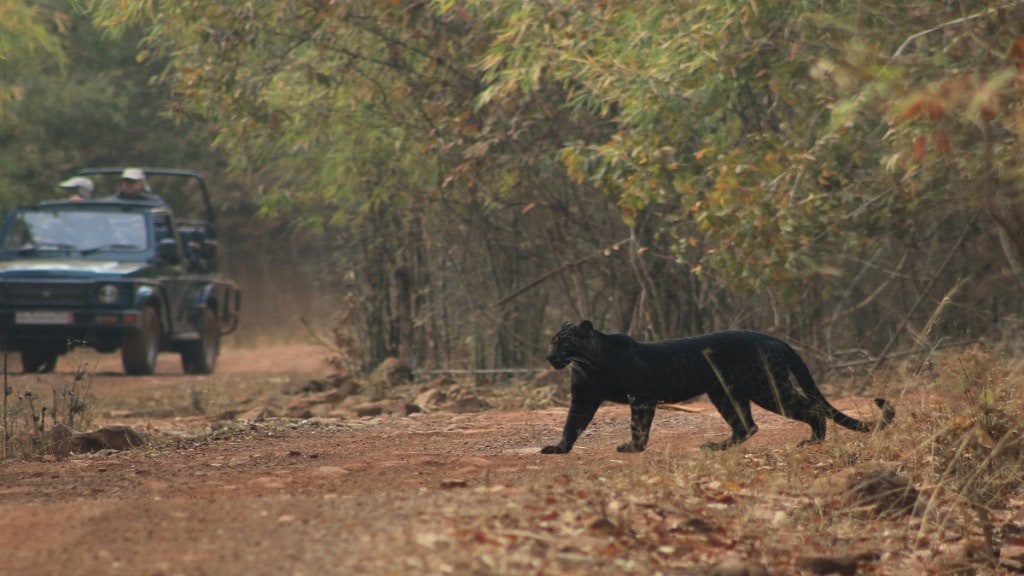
[167, 251]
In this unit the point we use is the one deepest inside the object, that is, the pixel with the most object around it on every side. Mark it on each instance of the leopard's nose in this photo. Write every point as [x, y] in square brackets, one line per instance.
[556, 361]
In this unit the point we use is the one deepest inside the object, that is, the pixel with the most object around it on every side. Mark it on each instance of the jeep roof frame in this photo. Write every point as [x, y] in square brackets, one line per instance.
[162, 172]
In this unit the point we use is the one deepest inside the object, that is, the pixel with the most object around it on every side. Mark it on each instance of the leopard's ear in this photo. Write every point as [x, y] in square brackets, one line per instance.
[586, 326]
[566, 325]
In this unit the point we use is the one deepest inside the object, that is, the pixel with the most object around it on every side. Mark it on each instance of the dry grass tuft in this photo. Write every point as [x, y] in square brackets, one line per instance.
[35, 424]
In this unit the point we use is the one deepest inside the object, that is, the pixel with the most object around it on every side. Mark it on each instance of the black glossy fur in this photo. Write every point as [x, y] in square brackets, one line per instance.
[733, 368]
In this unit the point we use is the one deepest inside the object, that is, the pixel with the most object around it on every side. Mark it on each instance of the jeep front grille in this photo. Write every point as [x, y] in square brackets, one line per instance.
[32, 294]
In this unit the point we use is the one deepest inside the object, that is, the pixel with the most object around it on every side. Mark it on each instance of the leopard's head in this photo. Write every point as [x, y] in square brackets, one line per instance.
[575, 343]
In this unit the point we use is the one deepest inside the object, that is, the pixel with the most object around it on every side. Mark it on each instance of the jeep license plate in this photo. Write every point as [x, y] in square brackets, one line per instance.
[37, 317]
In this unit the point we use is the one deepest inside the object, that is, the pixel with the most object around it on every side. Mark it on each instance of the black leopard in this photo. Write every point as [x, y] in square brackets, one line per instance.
[733, 368]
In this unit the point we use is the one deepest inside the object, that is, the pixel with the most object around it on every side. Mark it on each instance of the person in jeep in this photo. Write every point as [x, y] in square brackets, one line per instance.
[77, 188]
[133, 187]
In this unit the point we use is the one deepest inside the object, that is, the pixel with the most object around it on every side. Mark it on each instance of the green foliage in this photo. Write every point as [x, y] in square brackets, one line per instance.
[27, 42]
[952, 93]
[713, 118]
[301, 95]
[90, 103]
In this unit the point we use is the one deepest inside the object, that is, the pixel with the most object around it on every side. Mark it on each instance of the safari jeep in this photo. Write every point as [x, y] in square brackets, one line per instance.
[114, 274]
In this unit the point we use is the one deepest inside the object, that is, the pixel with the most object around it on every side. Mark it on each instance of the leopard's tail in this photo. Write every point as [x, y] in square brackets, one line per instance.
[888, 414]
[803, 376]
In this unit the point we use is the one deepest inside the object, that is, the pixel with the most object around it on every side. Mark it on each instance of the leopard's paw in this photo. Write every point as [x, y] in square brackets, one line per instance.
[629, 448]
[715, 446]
[553, 450]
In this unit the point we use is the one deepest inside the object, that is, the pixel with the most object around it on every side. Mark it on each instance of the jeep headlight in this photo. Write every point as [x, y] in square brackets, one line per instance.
[108, 293]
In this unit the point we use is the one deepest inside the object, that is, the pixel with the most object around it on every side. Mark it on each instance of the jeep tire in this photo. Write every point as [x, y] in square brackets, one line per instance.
[139, 348]
[200, 356]
[38, 361]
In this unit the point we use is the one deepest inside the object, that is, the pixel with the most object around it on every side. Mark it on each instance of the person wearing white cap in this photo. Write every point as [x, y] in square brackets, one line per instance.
[78, 188]
[134, 187]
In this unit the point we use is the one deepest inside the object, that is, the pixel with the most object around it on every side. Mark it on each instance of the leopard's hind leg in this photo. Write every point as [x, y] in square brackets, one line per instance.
[790, 391]
[817, 423]
[801, 409]
[641, 416]
[736, 412]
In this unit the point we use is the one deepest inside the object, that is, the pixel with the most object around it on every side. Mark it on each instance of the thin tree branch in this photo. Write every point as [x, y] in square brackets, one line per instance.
[902, 354]
[944, 25]
[538, 280]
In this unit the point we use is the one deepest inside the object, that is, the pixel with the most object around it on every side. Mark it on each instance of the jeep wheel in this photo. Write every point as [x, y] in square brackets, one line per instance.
[38, 361]
[200, 356]
[139, 348]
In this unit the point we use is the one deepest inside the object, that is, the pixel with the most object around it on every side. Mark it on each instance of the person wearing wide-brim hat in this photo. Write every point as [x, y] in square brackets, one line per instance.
[78, 188]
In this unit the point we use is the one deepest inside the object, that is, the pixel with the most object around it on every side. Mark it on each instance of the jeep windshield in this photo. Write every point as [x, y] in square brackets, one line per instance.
[48, 232]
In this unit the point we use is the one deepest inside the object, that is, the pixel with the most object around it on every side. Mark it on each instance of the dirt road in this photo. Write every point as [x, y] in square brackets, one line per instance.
[430, 493]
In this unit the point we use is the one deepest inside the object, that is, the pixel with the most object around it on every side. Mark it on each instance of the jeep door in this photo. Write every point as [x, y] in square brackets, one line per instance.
[172, 278]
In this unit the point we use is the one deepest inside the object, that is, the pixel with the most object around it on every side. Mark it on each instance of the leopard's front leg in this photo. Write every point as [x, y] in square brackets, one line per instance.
[641, 414]
[581, 412]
